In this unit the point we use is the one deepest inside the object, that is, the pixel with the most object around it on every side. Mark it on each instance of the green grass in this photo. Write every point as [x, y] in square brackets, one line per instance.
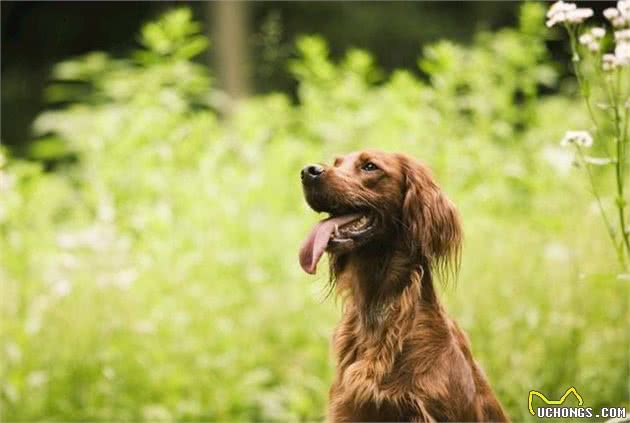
[157, 278]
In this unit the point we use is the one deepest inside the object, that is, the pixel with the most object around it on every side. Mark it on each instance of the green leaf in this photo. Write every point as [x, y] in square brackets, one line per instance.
[599, 161]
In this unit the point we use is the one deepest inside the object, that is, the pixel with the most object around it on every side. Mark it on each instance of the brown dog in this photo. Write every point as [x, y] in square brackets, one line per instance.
[399, 357]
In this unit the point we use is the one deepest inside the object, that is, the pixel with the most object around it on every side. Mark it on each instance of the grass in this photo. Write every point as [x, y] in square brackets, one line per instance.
[157, 277]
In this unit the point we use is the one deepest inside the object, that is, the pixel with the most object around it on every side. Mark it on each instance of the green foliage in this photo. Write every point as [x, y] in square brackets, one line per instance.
[174, 35]
[604, 81]
[157, 278]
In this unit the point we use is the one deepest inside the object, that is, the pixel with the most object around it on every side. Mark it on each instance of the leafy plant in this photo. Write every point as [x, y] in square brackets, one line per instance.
[155, 277]
[604, 75]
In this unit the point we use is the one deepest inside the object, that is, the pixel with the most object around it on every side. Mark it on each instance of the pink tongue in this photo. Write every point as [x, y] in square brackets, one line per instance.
[314, 246]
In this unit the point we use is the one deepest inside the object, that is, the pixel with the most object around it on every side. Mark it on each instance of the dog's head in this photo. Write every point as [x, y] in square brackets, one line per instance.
[378, 199]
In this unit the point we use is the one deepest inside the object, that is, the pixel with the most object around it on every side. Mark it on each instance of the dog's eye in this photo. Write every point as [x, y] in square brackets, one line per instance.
[369, 167]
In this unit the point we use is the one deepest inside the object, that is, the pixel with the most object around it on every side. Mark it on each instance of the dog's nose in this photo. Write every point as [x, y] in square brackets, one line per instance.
[311, 172]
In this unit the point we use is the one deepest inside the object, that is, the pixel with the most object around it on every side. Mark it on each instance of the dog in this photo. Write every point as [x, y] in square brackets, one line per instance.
[391, 230]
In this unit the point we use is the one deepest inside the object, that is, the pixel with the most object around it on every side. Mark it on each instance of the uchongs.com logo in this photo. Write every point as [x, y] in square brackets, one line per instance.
[556, 408]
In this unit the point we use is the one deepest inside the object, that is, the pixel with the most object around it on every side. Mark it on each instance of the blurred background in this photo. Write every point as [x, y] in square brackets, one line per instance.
[151, 211]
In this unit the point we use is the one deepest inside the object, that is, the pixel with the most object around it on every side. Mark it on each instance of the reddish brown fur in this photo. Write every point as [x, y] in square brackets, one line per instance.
[399, 356]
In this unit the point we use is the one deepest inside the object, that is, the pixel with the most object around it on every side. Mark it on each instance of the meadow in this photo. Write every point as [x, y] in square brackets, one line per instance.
[152, 274]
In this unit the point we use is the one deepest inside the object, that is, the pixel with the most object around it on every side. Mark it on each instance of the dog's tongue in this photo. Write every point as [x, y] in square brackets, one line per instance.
[315, 244]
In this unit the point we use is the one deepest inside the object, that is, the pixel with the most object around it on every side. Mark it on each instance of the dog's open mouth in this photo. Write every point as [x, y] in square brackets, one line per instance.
[336, 233]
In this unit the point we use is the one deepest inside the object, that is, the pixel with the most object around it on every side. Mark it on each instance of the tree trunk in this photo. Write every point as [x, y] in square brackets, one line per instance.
[230, 29]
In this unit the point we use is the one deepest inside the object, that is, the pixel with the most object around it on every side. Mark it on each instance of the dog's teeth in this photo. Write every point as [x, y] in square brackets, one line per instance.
[336, 231]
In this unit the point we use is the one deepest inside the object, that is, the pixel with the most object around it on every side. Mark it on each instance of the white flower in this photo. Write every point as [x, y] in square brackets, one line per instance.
[611, 13]
[558, 12]
[586, 39]
[593, 47]
[609, 62]
[623, 35]
[579, 15]
[590, 41]
[560, 7]
[619, 16]
[566, 12]
[619, 22]
[622, 53]
[579, 138]
[598, 33]
[551, 22]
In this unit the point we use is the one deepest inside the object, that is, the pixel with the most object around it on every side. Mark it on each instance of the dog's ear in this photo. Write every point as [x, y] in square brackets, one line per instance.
[429, 217]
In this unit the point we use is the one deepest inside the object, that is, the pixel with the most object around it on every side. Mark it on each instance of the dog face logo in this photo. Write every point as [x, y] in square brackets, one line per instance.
[571, 390]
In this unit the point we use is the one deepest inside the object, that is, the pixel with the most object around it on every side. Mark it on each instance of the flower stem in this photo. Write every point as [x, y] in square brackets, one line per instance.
[622, 248]
[620, 168]
[602, 212]
[575, 60]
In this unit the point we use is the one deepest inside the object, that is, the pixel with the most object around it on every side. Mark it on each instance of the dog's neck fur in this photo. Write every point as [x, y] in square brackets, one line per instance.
[373, 281]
